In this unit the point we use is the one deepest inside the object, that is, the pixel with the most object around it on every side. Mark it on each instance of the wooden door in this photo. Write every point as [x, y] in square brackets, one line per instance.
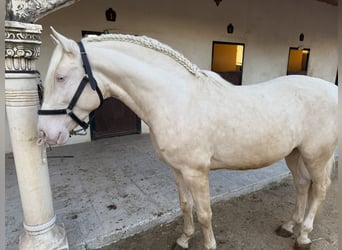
[114, 118]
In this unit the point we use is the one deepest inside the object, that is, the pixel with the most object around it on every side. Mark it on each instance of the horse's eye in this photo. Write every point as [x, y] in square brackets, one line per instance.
[60, 78]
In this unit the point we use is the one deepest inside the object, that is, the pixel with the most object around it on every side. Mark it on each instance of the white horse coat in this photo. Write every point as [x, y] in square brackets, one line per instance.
[199, 122]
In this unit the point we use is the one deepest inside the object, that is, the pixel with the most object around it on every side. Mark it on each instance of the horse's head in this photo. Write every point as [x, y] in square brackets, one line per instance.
[68, 98]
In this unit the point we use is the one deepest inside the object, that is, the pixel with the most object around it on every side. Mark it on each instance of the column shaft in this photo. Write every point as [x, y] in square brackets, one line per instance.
[22, 48]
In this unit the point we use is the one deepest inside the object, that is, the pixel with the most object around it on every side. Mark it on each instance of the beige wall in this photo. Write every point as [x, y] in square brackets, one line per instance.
[267, 28]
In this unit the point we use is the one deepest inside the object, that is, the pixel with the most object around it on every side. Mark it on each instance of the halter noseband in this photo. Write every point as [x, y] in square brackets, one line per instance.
[87, 78]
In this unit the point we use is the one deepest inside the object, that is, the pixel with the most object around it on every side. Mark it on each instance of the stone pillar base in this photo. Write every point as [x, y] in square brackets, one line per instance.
[53, 238]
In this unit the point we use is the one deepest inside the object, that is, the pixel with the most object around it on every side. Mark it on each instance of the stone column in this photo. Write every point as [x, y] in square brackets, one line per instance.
[22, 49]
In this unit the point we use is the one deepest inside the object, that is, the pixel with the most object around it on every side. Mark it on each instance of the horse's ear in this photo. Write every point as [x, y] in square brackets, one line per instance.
[55, 39]
[68, 45]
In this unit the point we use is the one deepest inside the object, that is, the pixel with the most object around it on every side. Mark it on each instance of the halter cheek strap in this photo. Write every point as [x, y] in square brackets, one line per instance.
[87, 78]
[87, 68]
[89, 72]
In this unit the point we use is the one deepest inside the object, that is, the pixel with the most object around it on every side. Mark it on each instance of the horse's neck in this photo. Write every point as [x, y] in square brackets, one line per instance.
[150, 83]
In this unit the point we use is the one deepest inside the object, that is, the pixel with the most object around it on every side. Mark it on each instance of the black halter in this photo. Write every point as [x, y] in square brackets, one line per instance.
[87, 78]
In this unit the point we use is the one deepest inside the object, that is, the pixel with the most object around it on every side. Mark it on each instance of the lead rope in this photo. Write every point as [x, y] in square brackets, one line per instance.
[44, 148]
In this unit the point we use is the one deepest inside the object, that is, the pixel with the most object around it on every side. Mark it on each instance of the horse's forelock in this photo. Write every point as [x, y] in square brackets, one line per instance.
[50, 75]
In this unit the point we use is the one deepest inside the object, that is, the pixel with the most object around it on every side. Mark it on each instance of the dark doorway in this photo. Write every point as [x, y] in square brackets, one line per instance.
[298, 61]
[227, 61]
[113, 118]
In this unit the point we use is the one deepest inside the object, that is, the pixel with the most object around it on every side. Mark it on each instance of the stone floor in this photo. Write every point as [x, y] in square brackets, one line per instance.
[112, 188]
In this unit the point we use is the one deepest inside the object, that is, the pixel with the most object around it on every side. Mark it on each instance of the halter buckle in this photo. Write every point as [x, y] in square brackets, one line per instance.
[80, 131]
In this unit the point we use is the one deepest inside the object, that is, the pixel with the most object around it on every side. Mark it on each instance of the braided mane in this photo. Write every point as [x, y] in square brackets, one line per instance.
[152, 44]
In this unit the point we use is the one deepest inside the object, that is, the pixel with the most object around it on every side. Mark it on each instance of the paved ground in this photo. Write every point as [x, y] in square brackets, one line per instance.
[110, 189]
[247, 223]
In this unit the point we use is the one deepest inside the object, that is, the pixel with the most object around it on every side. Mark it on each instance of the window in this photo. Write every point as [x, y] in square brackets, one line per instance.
[298, 61]
[227, 61]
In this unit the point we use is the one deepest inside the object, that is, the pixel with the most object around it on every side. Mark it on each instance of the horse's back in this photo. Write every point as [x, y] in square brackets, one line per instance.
[264, 122]
[310, 85]
[319, 135]
[313, 103]
[299, 93]
[251, 126]
[297, 84]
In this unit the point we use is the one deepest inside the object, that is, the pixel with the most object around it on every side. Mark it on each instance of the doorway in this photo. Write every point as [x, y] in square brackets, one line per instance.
[298, 61]
[227, 61]
[114, 118]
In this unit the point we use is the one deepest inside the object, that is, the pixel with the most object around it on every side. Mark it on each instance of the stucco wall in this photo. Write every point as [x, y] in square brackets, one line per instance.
[267, 28]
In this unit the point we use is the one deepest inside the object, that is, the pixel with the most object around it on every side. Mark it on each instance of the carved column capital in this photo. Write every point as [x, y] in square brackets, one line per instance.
[22, 46]
[29, 11]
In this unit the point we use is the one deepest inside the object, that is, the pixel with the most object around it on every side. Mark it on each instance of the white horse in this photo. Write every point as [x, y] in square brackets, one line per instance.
[199, 122]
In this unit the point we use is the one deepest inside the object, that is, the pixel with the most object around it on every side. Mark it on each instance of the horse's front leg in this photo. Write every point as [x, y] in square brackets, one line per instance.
[186, 204]
[198, 183]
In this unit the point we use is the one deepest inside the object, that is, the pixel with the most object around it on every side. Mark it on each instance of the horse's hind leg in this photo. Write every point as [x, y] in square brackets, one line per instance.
[320, 174]
[186, 204]
[302, 182]
[198, 183]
